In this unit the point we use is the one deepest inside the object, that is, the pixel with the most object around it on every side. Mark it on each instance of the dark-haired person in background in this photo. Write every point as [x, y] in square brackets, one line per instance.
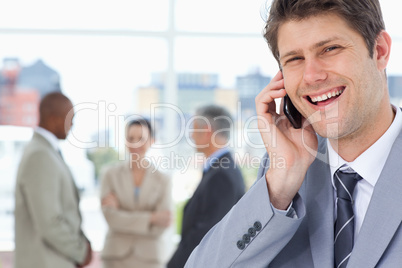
[221, 186]
[336, 202]
[137, 203]
[47, 218]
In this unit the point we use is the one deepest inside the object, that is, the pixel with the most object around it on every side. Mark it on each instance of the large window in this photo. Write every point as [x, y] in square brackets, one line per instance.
[116, 58]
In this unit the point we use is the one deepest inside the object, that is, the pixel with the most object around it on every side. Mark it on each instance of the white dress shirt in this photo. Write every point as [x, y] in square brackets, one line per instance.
[49, 136]
[369, 166]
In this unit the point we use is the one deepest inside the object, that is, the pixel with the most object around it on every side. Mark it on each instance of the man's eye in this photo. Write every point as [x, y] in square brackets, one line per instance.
[331, 48]
[294, 59]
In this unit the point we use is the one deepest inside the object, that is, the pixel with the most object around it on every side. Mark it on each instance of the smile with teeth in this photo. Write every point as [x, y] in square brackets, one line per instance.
[327, 96]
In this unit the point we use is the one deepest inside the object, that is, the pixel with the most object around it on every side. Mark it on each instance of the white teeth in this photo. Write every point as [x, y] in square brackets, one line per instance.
[326, 96]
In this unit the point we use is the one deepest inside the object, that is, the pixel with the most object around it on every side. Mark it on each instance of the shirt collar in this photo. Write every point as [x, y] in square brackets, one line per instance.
[371, 162]
[49, 136]
[214, 157]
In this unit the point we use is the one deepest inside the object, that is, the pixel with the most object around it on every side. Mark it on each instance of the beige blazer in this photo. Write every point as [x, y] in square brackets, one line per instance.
[130, 234]
[47, 218]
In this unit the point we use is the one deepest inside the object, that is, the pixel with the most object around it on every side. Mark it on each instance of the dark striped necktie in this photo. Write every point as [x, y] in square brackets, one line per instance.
[344, 226]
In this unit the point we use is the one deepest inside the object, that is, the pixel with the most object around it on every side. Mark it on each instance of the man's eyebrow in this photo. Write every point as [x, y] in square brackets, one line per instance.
[315, 46]
[323, 43]
[291, 53]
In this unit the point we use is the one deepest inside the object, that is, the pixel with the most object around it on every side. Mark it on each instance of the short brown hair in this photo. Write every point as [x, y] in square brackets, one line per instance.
[364, 16]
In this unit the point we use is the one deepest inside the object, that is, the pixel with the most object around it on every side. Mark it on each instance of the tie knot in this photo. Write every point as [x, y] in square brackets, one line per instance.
[345, 184]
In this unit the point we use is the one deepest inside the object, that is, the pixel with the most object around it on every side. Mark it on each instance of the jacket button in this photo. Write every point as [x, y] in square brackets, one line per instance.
[252, 232]
[257, 226]
[241, 245]
[246, 238]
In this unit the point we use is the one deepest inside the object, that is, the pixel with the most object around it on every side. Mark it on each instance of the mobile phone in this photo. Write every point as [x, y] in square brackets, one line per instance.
[292, 113]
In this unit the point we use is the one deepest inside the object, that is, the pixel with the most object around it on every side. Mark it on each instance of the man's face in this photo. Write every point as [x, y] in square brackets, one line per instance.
[200, 136]
[329, 75]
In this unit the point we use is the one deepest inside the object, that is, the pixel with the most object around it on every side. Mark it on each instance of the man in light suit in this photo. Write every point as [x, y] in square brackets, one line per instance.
[221, 186]
[333, 56]
[47, 218]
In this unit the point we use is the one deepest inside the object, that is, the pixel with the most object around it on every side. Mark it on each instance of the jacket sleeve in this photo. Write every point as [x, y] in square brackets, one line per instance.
[165, 201]
[134, 222]
[221, 247]
[42, 187]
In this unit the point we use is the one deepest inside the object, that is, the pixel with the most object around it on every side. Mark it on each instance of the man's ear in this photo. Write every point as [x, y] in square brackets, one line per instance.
[382, 50]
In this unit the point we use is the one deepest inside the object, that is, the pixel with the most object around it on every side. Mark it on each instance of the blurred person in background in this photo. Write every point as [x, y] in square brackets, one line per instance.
[137, 205]
[47, 218]
[221, 186]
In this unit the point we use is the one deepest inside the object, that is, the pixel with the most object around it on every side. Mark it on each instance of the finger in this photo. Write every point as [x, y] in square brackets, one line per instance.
[278, 76]
[106, 197]
[272, 86]
[265, 101]
[271, 89]
[104, 200]
[106, 204]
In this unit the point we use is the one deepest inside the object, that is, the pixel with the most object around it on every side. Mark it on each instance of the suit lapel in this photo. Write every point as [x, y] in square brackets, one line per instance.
[68, 171]
[319, 196]
[126, 187]
[200, 188]
[215, 165]
[384, 214]
[147, 188]
[42, 140]
[76, 191]
[204, 177]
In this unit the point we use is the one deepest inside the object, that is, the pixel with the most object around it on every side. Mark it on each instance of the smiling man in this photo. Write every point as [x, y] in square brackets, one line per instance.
[336, 201]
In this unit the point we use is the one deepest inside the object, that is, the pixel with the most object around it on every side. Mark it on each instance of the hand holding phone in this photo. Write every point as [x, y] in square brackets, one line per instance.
[283, 142]
[292, 113]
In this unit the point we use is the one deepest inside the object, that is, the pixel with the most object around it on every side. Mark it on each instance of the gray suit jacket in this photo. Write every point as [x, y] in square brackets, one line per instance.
[307, 241]
[47, 218]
